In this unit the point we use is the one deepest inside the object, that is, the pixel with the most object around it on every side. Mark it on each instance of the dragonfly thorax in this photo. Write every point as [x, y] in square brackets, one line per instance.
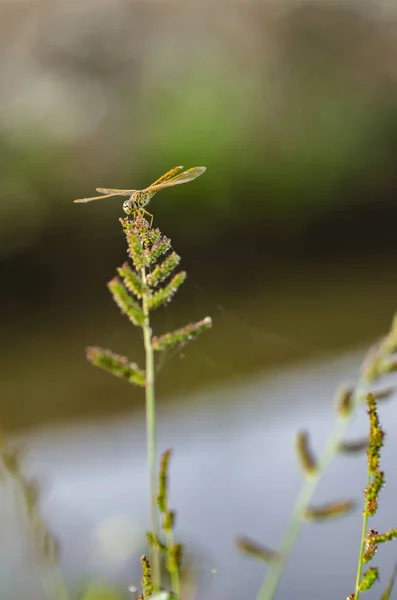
[137, 200]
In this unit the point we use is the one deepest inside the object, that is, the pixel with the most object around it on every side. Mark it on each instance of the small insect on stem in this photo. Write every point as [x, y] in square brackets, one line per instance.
[138, 199]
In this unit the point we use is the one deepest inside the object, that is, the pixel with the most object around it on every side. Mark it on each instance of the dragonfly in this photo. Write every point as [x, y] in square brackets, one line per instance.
[138, 199]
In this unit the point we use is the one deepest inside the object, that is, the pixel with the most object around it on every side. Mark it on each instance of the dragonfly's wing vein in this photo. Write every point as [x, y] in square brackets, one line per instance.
[95, 198]
[184, 177]
[115, 191]
[169, 175]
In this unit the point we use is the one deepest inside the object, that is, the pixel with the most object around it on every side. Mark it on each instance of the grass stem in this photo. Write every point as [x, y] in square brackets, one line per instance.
[151, 434]
[362, 545]
[174, 569]
[303, 499]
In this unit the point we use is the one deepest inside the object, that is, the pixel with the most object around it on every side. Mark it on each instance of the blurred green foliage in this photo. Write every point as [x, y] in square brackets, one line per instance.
[292, 127]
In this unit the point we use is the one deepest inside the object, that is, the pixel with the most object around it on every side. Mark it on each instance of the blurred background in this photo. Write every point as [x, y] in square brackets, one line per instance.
[288, 238]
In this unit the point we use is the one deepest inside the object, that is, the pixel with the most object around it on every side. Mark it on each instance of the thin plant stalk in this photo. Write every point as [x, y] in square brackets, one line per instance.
[174, 570]
[42, 572]
[172, 550]
[362, 545]
[307, 490]
[370, 539]
[50, 574]
[151, 434]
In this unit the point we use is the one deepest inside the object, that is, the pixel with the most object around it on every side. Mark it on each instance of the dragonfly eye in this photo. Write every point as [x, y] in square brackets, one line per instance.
[127, 207]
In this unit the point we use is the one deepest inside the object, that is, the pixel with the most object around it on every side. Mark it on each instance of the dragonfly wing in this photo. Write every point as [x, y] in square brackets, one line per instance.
[184, 177]
[95, 198]
[115, 192]
[169, 175]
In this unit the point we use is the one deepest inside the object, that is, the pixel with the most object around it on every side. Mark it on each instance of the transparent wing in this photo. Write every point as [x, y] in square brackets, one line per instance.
[95, 198]
[184, 177]
[115, 192]
[168, 175]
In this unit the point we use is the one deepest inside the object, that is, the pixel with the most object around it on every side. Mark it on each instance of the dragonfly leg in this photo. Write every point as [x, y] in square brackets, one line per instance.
[140, 212]
[150, 217]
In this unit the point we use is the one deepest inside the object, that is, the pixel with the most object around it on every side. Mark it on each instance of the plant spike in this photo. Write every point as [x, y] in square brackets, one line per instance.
[375, 482]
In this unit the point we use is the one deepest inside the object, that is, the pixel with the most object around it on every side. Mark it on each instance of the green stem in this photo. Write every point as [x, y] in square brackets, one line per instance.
[51, 577]
[363, 543]
[151, 435]
[174, 569]
[305, 495]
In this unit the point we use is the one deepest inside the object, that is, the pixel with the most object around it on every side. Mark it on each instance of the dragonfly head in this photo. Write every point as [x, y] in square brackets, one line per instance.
[129, 206]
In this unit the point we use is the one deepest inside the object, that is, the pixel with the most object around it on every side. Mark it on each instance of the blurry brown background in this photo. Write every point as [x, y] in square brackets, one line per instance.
[289, 237]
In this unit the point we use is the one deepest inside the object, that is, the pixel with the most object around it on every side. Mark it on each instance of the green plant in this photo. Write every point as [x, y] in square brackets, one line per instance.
[380, 361]
[46, 548]
[138, 290]
[375, 481]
